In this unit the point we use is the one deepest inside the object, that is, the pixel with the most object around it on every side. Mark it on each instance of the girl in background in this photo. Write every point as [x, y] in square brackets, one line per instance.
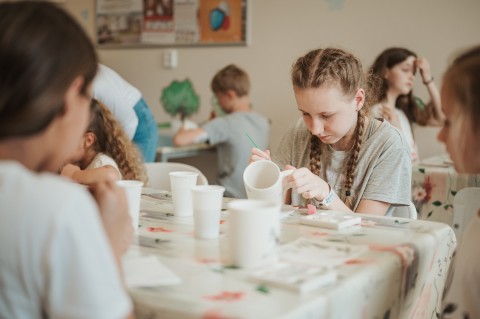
[60, 245]
[460, 132]
[105, 153]
[396, 69]
[347, 161]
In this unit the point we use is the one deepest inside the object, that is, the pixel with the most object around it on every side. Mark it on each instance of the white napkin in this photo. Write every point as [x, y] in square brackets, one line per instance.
[313, 252]
[147, 271]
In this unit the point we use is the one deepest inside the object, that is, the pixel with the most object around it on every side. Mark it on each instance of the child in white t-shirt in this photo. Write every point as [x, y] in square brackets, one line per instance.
[105, 153]
[60, 244]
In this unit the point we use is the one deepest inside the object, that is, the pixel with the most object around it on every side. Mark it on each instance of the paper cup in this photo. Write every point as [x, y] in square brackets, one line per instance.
[207, 205]
[133, 191]
[181, 184]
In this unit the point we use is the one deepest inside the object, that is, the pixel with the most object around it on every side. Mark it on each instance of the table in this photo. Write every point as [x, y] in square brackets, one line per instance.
[165, 153]
[434, 185]
[400, 275]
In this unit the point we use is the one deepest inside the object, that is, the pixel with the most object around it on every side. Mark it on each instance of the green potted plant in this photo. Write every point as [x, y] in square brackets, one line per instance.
[180, 99]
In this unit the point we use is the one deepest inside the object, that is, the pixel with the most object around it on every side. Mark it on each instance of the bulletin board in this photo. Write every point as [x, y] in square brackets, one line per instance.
[153, 23]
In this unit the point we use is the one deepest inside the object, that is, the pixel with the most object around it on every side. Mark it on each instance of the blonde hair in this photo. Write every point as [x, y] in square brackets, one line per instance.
[232, 78]
[339, 68]
[112, 140]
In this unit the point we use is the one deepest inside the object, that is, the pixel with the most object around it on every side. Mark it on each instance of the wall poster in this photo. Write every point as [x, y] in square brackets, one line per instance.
[150, 23]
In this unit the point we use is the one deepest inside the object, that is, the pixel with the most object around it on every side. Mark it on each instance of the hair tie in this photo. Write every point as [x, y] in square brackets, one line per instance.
[347, 193]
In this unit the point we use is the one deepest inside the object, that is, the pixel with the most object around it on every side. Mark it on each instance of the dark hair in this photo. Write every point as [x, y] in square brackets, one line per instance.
[111, 139]
[413, 108]
[233, 78]
[462, 79]
[337, 67]
[42, 51]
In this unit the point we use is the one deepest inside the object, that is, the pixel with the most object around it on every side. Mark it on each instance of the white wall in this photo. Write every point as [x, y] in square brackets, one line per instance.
[282, 30]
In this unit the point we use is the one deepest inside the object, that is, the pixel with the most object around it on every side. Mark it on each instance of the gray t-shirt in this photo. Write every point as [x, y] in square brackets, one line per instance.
[383, 171]
[234, 147]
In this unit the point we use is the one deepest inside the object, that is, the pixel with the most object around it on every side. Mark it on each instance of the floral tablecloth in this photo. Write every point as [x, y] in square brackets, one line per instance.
[400, 274]
[434, 185]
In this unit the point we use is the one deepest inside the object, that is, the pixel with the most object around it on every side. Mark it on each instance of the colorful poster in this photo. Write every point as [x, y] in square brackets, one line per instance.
[158, 23]
[170, 22]
[118, 21]
[222, 21]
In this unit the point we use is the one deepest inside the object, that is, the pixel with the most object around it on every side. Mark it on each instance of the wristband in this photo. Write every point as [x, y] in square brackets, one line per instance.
[328, 199]
[428, 82]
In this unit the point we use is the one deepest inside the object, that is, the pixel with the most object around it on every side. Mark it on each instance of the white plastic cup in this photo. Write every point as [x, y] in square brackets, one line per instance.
[207, 205]
[181, 184]
[133, 191]
[252, 236]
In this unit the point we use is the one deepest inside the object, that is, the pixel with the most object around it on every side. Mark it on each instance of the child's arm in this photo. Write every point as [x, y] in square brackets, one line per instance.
[116, 221]
[311, 186]
[185, 137]
[437, 118]
[90, 176]
[372, 207]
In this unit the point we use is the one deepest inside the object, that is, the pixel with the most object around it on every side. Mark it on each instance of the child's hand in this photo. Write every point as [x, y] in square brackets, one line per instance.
[69, 170]
[307, 184]
[424, 67]
[258, 155]
[112, 204]
[285, 181]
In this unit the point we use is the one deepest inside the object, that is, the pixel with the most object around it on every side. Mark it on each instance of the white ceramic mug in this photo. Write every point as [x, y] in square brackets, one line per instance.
[251, 233]
[263, 180]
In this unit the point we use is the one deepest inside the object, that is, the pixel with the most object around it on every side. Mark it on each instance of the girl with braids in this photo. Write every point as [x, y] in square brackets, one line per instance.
[346, 160]
[105, 153]
[461, 131]
[396, 68]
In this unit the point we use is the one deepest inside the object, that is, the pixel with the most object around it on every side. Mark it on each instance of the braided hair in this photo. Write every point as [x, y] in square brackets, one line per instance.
[337, 67]
[112, 140]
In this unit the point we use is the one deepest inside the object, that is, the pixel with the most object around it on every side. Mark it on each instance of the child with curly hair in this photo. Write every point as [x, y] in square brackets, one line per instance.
[105, 153]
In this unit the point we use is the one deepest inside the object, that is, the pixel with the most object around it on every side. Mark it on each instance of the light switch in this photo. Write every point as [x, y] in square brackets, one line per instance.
[170, 60]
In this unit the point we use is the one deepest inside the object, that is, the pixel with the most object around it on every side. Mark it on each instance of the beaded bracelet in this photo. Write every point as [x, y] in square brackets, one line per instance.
[428, 82]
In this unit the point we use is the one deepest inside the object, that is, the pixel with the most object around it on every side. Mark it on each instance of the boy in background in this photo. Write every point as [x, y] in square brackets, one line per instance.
[229, 133]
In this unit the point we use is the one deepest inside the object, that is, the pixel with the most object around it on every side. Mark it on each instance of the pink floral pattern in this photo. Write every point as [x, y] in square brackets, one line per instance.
[229, 296]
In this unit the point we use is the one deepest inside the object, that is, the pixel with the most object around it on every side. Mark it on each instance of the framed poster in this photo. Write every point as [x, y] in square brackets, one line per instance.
[153, 23]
